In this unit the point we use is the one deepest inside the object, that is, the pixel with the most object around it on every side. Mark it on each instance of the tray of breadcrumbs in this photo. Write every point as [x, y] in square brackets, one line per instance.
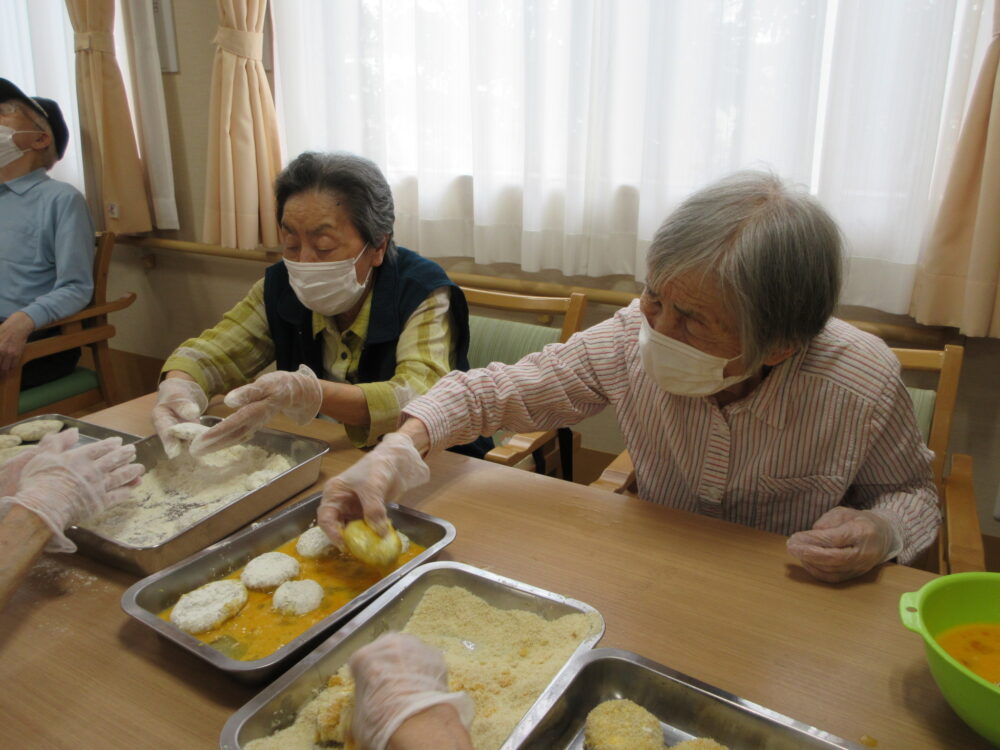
[609, 698]
[184, 504]
[503, 640]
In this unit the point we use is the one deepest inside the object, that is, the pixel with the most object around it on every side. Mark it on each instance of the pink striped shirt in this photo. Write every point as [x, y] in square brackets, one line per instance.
[831, 425]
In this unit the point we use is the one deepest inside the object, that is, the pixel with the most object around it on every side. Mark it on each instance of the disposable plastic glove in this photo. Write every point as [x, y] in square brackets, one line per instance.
[382, 476]
[395, 677]
[296, 394]
[69, 487]
[10, 471]
[844, 543]
[178, 400]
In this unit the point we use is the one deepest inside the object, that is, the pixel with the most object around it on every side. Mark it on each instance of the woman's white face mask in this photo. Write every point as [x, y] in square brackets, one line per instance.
[9, 151]
[681, 369]
[330, 287]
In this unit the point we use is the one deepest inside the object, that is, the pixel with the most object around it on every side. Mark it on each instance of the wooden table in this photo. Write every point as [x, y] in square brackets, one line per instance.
[720, 602]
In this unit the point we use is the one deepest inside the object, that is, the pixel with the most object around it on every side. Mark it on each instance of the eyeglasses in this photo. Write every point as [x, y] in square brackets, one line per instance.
[9, 108]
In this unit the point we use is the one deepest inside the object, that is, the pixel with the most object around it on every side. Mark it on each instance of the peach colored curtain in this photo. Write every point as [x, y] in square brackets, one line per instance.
[113, 173]
[958, 278]
[244, 155]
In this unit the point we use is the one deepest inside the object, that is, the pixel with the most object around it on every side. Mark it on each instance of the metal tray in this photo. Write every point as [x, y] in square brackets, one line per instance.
[686, 708]
[89, 433]
[305, 454]
[150, 596]
[277, 705]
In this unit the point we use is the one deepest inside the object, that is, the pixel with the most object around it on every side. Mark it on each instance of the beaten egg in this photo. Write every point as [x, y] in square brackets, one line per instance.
[258, 630]
[977, 647]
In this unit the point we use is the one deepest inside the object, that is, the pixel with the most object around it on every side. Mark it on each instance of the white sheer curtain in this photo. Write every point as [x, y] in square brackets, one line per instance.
[557, 134]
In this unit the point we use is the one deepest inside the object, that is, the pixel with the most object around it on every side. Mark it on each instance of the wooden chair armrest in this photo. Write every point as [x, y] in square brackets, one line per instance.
[45, 347]
[94, 311]
[963, 535]
[519, 447]
[619, 476]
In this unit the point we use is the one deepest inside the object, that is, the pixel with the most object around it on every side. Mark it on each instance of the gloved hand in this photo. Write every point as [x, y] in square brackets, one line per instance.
[295, 394]
[395, 677]
[10, 471]
[178, 400]
[844, 543]
[381, 476]
[69, 487]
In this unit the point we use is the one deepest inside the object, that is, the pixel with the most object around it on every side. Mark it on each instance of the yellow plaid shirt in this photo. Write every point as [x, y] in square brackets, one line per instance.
[240, 346]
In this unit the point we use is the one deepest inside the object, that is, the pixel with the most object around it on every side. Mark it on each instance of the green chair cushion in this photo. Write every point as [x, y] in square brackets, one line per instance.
[495, 340]
[79, 381]
[923, 406]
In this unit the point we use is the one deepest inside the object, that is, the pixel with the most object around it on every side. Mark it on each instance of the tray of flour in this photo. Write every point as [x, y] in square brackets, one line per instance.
[184, 504]
[28, 432]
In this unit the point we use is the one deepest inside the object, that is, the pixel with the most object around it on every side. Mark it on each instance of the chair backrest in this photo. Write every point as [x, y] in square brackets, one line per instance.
[935, 408]
[498, 340]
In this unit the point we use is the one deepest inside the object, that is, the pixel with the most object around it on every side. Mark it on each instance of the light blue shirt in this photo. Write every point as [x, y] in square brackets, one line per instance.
[46, 249]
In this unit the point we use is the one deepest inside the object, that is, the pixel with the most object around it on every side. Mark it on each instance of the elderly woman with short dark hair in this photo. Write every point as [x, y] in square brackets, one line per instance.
[356, 326]
[737, 394]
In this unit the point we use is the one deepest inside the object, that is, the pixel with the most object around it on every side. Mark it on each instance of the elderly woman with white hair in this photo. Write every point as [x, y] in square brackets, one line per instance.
[737, 394]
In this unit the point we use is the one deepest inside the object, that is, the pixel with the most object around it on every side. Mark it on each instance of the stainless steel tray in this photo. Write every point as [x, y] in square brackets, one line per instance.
[277, 705]
[305, 454]
[150, 596]
[89, 433]
[685, 707]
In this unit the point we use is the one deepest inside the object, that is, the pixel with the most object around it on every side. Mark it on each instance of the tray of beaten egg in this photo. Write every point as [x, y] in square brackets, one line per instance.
[183, 504]
[253, 603]
[609, 699]
[503, 641]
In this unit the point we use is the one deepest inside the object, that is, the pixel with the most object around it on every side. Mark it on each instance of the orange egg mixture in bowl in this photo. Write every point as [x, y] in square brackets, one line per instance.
[258, 630]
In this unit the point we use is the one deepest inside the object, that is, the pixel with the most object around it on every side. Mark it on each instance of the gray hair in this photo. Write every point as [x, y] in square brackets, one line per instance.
[775, 251]
[355, 180]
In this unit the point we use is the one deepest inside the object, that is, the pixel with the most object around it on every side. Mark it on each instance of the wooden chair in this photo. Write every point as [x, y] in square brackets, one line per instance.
[507, 341]
[960, 542]
[84, 387]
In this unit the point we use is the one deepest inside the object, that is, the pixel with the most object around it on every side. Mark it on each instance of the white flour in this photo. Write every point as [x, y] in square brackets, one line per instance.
[177, 493]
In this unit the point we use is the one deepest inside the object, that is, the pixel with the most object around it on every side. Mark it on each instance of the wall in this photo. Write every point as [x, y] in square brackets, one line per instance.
[180, 295]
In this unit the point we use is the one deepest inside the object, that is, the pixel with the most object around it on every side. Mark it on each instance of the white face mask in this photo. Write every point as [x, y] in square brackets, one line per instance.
[9, 152]
[328, 288]
[681, 369]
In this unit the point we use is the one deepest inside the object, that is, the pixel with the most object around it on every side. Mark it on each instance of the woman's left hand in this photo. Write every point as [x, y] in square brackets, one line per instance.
[844, 543]
[298, 395]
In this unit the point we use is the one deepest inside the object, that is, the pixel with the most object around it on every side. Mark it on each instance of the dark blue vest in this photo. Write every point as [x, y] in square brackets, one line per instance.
[402, 283]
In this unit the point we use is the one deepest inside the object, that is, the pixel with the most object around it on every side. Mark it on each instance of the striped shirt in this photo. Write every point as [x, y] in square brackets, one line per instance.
[240, 346]
[832, 425]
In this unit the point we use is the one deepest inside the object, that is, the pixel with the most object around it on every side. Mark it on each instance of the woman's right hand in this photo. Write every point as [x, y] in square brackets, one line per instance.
[361, 491]
[178, 400]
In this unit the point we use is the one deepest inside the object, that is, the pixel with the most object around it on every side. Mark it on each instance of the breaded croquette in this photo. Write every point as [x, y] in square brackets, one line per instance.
[622, 725]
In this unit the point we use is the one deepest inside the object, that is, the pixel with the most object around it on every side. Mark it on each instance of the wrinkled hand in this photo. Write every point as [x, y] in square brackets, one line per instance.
[844, 543]
[382, 476]
[13, 337]
[178, 400]
[296, 394]
[395, 677]
[10, 471]
[69, 487]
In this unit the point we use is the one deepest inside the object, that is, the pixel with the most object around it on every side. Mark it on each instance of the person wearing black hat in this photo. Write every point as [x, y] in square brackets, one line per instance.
[46, 235]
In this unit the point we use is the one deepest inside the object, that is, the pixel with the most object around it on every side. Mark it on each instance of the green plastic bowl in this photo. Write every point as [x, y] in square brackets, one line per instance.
[945, 602]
